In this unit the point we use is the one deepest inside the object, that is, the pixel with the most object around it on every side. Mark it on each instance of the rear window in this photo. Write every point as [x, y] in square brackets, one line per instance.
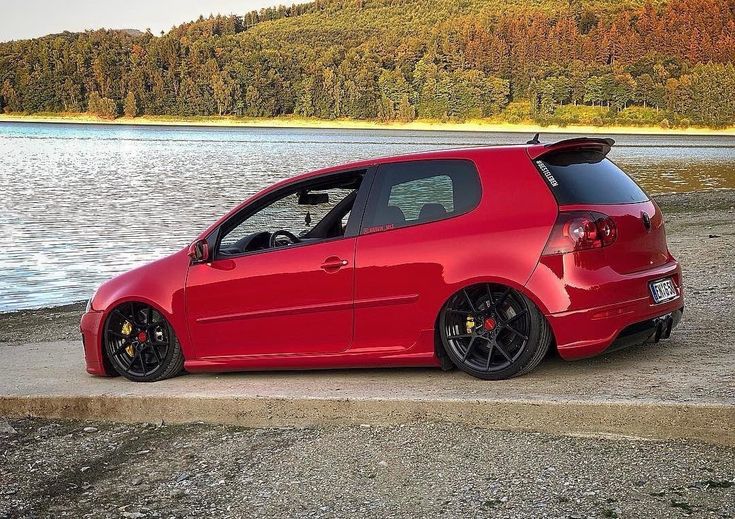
[587, 177]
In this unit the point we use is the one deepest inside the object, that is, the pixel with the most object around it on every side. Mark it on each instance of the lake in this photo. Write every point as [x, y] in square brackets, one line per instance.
[81, 203]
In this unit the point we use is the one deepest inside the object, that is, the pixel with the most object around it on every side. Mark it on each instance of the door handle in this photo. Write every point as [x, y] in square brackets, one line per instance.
[333, 264]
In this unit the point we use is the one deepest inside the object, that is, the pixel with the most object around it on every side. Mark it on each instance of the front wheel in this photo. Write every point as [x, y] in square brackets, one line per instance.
[493, 332]
[140, 344]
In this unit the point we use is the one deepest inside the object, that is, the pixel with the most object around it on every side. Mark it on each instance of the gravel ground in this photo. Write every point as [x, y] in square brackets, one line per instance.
[42, 325]
[111, 470]
[78, 469]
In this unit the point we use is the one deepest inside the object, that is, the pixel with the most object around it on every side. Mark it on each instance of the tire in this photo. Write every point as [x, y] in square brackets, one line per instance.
[140, 344]
[493, 332]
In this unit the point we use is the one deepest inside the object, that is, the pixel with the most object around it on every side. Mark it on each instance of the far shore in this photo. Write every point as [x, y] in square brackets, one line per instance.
[353, 124]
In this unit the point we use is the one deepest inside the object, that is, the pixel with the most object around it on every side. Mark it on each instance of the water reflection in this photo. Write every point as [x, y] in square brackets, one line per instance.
[80, 204]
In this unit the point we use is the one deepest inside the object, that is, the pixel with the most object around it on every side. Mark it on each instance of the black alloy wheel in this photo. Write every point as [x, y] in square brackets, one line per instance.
[493, 332]
[140, 344]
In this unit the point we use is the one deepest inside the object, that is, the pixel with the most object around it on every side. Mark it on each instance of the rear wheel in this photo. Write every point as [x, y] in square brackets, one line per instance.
[493, 332]
[140, 344]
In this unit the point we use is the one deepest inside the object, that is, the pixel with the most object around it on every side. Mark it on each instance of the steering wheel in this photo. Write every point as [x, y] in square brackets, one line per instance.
[283, 233]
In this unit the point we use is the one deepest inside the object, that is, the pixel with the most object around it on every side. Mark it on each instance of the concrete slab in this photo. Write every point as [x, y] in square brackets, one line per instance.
[644, 392]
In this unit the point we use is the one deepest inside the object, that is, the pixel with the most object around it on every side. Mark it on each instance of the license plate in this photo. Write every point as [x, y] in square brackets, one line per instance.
[663, 290]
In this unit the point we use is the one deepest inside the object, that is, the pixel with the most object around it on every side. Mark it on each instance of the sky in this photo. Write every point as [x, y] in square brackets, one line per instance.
[20, 19]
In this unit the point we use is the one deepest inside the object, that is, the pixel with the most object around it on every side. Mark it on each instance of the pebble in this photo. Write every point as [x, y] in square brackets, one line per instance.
[6, 428]
[46, 430]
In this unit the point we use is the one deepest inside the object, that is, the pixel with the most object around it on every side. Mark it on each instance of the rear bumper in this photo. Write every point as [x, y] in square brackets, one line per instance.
[90, 327]
[648, 331]
[590, 309]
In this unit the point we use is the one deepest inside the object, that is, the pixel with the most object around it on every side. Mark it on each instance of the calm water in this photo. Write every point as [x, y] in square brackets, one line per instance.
[79, 204]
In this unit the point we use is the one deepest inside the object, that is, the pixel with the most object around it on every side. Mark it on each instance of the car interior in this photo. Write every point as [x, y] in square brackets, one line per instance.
[394, 215]
[288, 217]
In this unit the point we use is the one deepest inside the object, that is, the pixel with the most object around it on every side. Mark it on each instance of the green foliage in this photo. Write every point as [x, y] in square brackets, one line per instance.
[102, 106]
[512, 60]
[130, 108]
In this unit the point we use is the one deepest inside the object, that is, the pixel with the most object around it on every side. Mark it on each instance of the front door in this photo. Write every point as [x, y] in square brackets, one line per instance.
[288, 301]
[281, 277]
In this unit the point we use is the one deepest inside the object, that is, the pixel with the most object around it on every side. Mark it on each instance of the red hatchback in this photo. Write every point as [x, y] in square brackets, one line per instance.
[476, 258]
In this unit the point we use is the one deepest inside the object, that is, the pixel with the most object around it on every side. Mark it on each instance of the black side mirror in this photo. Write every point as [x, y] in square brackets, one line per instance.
[199, 251]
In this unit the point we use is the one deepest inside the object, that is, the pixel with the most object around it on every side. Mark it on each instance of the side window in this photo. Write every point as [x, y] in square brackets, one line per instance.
[308, 213]
[413, 196]
[284, 213]
[409, 193]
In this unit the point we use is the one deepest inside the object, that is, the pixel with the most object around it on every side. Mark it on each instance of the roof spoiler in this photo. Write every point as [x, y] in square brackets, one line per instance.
[579, 143]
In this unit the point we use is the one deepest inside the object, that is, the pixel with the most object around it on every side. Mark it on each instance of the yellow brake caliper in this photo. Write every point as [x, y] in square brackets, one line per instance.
[126, 329]
[470, 324]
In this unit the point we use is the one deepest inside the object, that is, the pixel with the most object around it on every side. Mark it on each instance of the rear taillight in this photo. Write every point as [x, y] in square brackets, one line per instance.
[580, 230]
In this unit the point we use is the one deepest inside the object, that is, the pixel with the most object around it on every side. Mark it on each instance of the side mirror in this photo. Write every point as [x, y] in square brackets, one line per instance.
[199, 251]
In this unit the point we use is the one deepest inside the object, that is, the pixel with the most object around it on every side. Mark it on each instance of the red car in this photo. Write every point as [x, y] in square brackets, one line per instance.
[479, 258]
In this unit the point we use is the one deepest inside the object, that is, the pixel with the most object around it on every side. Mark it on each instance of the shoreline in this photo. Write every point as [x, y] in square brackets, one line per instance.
[354, 124]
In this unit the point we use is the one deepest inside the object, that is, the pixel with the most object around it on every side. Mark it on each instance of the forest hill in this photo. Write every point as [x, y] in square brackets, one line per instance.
[555, 61]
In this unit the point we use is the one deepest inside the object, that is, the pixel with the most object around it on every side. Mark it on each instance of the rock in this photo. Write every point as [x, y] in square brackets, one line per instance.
[90, 429]
[6, 429]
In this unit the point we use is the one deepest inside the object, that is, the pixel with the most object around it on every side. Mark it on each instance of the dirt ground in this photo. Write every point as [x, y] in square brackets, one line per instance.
[78, 469]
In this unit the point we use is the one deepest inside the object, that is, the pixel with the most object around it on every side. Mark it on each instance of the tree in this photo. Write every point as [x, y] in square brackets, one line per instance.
[712, 88]
[394, 91]
[131, 105]
[222, 88]
[594, 90]
[622, 91]
[103, 107]
[9, 98]
[645, 91]
[679, 94]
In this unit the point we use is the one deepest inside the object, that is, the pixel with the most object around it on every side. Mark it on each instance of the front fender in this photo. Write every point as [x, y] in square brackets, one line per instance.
[159, 284]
